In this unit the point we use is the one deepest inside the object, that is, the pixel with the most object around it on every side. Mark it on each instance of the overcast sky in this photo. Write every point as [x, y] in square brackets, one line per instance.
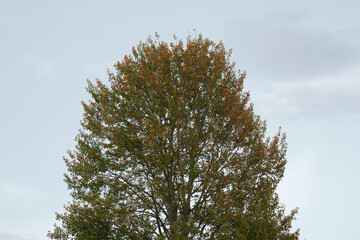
[303, 65]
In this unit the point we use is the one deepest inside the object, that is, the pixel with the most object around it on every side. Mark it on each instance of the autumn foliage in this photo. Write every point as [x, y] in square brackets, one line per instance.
[172, 149]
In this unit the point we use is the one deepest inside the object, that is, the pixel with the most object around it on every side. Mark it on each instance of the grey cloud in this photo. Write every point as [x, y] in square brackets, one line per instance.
[283, 48]
[7, 236]
[328, 97]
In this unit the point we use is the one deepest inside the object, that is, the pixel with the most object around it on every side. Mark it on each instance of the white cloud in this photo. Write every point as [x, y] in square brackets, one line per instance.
[17, 190]
[36, 64]
[297, 187]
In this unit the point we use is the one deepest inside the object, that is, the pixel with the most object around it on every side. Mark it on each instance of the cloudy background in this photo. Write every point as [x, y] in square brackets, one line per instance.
[303, 65]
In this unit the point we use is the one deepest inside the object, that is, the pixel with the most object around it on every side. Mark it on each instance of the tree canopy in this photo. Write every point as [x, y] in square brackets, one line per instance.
[171, 148]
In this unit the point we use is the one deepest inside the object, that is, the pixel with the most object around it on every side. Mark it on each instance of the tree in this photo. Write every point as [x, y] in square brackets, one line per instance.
[172, 149]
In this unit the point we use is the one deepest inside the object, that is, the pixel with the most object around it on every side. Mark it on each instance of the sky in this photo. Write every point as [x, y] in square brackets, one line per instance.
[303, 73]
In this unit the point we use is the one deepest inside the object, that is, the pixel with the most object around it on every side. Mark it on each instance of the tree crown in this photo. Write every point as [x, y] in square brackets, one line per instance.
[172, 149]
